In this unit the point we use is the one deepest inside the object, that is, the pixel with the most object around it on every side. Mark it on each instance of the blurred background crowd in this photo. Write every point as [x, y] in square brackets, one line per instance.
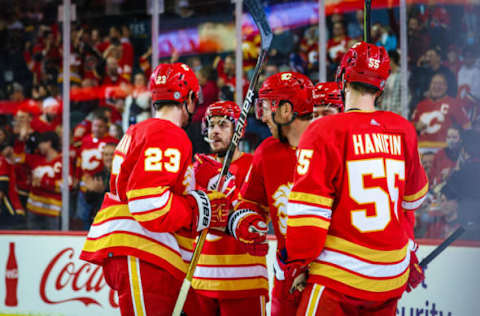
[111, 62]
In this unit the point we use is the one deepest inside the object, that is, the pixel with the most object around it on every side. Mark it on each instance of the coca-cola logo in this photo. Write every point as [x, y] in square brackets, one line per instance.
[62, 277]
[11, 274]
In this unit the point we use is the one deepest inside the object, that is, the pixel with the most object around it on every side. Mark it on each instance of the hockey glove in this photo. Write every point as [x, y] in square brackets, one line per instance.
[293, 276]
[207, 172]
[212, 210]
[250, 229]
[416, 275]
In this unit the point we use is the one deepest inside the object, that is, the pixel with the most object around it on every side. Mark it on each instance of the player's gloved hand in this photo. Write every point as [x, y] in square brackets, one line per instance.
[293, 276]
[212, 210]
[207, 172]
[250, 229]
[417, 274]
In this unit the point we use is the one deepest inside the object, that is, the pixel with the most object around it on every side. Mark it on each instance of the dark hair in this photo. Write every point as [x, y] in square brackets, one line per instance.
[394, 56]
[51, 137]
[364, 88]
[100, 116]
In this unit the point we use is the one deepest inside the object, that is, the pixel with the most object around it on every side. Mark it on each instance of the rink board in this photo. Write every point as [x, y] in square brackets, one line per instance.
[53, 281]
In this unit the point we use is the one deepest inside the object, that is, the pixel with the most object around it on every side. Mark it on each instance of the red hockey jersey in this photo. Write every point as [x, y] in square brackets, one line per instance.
[225, 269]
[442, 166]
[438, 116]
[46, 198]
[22, 170]
[357, 172]
[8, 180]
[269, 182]
[146, 215]
[89, 157]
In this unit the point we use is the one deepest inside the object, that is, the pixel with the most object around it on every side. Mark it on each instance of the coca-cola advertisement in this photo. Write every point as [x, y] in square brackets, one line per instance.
[43, 276]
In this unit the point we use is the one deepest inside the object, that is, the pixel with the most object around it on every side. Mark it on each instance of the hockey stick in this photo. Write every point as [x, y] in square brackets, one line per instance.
[440, 248]
[367, 21]
[258, 15]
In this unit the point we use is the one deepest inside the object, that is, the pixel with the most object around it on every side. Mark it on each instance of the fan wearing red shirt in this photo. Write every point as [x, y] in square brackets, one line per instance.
[45, 200]
[337, 46]
[357, 180]
[89, 162]
[434, 115]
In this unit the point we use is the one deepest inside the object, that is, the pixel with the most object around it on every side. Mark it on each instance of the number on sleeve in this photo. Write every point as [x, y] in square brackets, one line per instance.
[303, 162]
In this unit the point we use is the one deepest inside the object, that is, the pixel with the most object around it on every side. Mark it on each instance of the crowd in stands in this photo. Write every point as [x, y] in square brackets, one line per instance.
[109, 78]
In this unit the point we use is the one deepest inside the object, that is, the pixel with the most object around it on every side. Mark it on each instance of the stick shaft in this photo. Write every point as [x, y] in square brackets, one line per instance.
[367, 21]
[440, 248]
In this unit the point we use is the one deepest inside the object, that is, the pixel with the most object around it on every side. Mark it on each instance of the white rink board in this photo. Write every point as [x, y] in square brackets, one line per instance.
[452, 287]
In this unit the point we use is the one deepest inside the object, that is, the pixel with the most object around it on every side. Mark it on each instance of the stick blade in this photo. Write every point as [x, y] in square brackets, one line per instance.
[258, 14]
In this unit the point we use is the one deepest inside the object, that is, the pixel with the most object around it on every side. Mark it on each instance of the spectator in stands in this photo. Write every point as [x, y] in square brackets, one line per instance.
[45, 200]
[97, 185]
[445, 159]
[89, 162]
[436, 114]
[12, 213]
[469, 77]
[17, 93]
[462, 187]
[418, 40]
[355, 27]
[51, 117]
[453, 61]
[338, 44]
[429, 65]
[137, 104]
[384, 36]
[115, 131]
[391, 98]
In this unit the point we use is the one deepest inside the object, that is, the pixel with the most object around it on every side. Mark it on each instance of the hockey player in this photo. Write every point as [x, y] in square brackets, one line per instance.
[245, 290]
[143, 234]
[357, 180]
[327, 99]
[285, 105]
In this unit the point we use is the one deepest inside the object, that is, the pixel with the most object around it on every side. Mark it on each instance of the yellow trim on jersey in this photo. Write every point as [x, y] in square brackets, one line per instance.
[230, 260]
[311, 198]
[185, 242]
[145, 192]
[150, 216]
[230, 285]
[374, 255]
[308, 221]
[357, 281]
[139, 243]
[314, 298]
[416, 196]
[136, 287]
[4, 178]
[119, 210]
[41, 210]
[46, 200]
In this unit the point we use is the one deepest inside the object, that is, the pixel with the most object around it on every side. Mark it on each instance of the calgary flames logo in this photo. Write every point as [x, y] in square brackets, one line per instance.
[280, 198]
[189, 180]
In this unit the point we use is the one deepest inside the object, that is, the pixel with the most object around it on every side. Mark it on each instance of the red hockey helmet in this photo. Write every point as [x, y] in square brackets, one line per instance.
[327, 94]
[365, 63]
[287, 86]
[228, 109]
[173, 82]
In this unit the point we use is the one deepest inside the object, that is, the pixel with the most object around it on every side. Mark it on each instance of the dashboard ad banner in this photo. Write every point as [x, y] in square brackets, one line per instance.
[42, 275]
